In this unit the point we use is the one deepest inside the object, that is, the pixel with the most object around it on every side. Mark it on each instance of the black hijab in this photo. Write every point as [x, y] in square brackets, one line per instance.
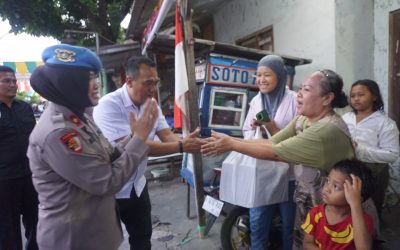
[65, 86]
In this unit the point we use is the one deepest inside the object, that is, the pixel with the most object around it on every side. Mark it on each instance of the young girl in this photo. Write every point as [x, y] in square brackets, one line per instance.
[340, 223]
[375, 136]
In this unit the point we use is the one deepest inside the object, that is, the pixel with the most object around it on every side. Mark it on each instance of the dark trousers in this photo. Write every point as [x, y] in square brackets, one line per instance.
[18, 197]
[381, 177]
[135, 213]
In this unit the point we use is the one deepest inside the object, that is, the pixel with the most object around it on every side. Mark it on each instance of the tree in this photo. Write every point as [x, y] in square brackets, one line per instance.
[32, 99]
[52, 17]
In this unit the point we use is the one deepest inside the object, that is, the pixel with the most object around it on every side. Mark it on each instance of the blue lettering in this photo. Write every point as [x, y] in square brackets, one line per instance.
[235, 71]
[254, 80]
[225, 74]
[245, 77]
[215, 72]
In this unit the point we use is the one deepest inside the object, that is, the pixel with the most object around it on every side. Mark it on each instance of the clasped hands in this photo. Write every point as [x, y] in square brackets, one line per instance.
[216, 144]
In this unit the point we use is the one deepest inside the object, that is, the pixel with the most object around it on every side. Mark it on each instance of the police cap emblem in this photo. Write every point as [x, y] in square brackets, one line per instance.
[65, 55]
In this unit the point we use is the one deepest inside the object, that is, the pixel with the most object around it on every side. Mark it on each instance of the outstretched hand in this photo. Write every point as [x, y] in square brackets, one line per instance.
[192, 143]
[216, 144]
[143, 126]
[352, 190]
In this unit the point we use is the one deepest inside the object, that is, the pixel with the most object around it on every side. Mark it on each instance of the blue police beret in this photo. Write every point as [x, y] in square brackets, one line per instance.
[65, 55]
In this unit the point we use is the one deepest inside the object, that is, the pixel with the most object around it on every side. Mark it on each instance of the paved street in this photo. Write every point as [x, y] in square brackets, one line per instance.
[169, 206]
[168, 200]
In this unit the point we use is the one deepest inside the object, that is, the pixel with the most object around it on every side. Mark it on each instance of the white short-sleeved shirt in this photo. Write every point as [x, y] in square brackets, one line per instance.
[112, 116]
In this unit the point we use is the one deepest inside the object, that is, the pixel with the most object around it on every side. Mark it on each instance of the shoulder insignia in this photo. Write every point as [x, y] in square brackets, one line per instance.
[72, 141]
[75, 120]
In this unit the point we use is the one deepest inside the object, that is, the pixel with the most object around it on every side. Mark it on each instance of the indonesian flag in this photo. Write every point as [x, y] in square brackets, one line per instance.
[181, 78]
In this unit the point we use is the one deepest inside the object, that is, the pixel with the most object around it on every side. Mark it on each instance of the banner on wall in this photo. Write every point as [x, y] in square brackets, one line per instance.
[157, 17]
[23, 71]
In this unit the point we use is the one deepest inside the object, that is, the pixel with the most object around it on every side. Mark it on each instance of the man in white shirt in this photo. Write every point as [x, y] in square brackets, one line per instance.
[112, 116]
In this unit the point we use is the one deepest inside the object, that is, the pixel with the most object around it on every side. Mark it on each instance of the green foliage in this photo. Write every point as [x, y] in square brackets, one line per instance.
[35, 98]
[52, 17]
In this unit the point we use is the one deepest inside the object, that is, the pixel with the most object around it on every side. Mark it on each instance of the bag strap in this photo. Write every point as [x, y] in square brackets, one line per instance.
[257, 134]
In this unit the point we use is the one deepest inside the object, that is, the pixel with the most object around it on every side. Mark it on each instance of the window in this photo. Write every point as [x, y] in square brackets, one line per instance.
[262, 39]
[227, 108]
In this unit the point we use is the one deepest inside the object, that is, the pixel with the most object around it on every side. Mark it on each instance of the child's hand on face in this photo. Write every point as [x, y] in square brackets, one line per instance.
[352, 190]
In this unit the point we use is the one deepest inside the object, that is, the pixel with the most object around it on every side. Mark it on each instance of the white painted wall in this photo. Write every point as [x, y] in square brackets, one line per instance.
[302, 28]
[354, 40]
[348, 36]
[382, 8]
[381, 43]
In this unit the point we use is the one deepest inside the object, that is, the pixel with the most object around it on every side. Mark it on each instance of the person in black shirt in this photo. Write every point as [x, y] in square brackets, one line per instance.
[17, 194]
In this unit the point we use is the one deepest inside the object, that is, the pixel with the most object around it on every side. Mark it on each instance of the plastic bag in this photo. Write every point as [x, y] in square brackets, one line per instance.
[251, 182]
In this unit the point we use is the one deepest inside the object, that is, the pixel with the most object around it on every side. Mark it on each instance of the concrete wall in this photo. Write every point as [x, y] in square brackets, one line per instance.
[301, 28]
[354, 40]
[381, 43]
[382, 8]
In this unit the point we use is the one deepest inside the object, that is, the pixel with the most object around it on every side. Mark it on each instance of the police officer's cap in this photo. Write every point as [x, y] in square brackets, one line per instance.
[64, 55]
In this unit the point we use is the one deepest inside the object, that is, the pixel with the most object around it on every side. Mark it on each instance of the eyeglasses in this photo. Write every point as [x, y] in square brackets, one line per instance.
[327, 80]
[151, 83]
[323, 72]
[93, 75]
[8, 81]
[148, 83]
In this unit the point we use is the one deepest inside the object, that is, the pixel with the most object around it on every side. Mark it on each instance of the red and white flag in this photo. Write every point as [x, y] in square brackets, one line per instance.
[181, 78]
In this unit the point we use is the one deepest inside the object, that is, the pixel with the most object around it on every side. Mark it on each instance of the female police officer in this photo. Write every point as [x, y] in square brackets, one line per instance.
[76, 172]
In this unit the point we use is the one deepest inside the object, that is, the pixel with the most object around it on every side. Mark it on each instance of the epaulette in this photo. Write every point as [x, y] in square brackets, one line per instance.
[75, 120]
[58, 120]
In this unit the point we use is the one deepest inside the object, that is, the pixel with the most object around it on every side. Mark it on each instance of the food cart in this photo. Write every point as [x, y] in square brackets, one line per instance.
[225, 79]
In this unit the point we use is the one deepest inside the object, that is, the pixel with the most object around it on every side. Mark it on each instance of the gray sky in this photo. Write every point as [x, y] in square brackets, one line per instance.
[22, 47]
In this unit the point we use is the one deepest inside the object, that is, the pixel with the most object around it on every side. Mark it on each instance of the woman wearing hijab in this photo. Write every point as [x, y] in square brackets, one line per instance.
[75, 171]
[314, 140]
[280, 104]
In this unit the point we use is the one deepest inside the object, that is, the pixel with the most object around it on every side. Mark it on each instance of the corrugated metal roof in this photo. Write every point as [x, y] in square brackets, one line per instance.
[166, 44]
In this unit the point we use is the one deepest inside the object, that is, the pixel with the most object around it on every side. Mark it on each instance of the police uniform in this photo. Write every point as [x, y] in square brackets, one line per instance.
[76, 173]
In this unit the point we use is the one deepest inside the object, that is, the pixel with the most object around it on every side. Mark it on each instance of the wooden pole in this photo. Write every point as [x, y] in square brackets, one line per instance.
[188, 45]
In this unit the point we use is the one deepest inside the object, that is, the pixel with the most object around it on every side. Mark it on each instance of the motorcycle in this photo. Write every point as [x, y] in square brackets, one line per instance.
[235, 229]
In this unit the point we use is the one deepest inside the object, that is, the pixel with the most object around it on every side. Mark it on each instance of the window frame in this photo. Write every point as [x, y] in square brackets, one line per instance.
[213, 107]
[257, 36]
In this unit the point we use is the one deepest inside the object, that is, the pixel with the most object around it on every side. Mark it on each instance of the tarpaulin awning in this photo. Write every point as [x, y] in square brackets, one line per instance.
[23, 68]
[23, 71]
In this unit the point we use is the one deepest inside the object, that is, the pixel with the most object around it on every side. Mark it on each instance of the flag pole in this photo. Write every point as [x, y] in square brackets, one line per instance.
[188, 45]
